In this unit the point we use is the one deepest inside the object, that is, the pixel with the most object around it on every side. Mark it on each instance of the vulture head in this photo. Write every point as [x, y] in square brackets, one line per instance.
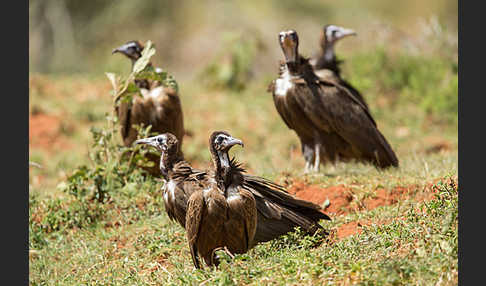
[132, 49]
[220, 142]
[331, 34]
[223, 141]
[166, 143]
[289, 42]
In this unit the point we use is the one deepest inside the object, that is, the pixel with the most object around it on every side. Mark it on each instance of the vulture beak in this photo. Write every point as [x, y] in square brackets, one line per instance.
[343, 32]
[158, 141]
[289, 42]
[230, 142]
[121, 49]
[147, 141]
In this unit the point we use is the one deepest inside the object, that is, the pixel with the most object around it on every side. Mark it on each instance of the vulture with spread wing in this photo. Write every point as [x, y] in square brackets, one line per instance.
[277, 211]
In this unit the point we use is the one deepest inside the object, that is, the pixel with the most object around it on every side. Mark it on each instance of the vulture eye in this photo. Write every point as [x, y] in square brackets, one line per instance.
[219, 140]
[159, 140]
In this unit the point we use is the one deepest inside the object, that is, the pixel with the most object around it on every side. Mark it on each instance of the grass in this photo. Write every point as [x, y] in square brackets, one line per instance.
[128, 238]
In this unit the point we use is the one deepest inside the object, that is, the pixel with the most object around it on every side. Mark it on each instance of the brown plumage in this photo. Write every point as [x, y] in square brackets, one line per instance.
[325, 63]
[223, 215]
[158, 106]
[242, 212]
[181, 180]
[277, 211]
[331, 123]
[205, 223]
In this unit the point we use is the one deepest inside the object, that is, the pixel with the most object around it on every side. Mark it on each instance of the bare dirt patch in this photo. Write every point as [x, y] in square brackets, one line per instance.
[382, 197]
[339, 196]
[343, 201]
[45, 132]
[351, 228]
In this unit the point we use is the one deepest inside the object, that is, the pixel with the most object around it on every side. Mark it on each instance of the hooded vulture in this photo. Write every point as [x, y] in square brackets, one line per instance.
[277, 211]
[224, 214]
[158, 106]
[325, 63]
[331, 123]
[215, 215]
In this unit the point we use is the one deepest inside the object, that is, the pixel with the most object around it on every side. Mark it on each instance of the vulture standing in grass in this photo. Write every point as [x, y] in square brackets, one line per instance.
[277, 211]
[325, 63]
[180, 178]
[331, 123]
[224, 215]
[158, 106]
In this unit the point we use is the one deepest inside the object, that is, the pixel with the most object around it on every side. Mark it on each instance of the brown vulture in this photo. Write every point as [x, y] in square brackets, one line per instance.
[224, 214]
[331, 123]
[277, 211]
[325, 63]
[158, 106]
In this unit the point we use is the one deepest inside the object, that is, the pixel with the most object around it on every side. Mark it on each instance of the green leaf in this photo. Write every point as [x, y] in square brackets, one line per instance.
[142, 62]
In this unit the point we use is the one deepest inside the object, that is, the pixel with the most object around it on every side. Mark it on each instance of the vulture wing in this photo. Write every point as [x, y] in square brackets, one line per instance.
[242, 219]
[333, 108]
[279, 212]
[195, 210]
[327, 75]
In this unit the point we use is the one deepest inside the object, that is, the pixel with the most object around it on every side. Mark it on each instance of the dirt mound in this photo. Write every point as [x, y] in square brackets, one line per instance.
[384, 197]
[339, 196]
[342, 200]
[45, 132]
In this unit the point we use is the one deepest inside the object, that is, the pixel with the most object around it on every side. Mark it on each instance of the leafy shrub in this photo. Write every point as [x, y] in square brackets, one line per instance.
[428, 82]
[111, 188]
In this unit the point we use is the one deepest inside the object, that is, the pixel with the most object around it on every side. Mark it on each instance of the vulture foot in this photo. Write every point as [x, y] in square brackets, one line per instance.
[215, 260]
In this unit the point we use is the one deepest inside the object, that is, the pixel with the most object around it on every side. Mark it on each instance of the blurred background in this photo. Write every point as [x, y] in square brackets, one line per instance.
[78, 36]
[223, 55]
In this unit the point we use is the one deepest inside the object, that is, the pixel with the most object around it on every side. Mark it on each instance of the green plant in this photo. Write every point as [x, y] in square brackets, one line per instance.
[430, 82]
[114, 172]
[232, 67]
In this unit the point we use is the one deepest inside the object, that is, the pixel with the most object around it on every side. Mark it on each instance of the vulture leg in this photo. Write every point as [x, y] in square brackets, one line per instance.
[308, 156]
[317, 159]
[308, 168]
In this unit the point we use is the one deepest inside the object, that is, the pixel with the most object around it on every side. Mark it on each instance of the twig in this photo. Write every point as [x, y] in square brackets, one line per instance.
[35, 164]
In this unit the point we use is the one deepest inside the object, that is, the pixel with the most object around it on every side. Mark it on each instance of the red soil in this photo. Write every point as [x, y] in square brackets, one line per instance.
[45, 133]
[351, 228]
[339, 196]
[342, 201]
